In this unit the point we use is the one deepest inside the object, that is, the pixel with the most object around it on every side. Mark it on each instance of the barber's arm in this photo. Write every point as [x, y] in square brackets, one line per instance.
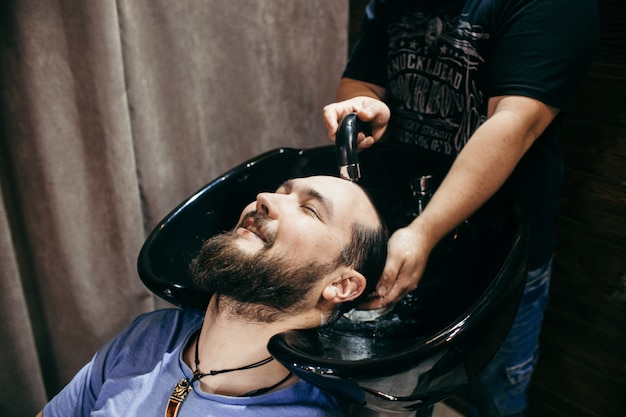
[481, 168]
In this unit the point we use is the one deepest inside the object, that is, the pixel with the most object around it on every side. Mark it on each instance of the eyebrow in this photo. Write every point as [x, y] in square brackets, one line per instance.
[311, 193]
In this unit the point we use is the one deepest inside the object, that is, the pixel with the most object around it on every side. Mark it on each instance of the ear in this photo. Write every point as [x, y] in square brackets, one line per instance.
[348, 286]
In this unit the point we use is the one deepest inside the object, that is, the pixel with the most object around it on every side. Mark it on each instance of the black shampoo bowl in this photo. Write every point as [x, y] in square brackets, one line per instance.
[435, 341]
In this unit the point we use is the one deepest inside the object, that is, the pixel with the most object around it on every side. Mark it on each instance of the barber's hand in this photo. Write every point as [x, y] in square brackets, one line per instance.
[368, 109]
[407, 255]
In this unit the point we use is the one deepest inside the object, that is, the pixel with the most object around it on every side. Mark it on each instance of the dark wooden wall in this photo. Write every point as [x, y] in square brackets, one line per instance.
[582, 369]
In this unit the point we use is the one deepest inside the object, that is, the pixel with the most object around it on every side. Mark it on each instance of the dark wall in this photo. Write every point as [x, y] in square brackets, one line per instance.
[582, 369]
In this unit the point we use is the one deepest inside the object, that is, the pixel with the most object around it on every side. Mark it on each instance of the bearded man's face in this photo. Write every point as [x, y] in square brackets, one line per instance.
[269, 283]
[287, 243]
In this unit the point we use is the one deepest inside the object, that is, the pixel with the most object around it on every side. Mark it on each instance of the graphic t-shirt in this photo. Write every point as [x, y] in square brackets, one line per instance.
[441, 61]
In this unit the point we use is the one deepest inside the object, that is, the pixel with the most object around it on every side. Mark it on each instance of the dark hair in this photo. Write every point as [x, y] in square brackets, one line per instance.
[367, 254]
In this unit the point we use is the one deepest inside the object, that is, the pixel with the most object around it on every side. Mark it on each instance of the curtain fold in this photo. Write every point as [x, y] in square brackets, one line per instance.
[112, 113]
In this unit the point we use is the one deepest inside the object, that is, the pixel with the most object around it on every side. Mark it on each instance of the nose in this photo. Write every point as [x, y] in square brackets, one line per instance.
[268, 204]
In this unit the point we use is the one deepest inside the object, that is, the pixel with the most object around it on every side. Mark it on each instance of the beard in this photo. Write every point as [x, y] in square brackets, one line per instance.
[261, 287]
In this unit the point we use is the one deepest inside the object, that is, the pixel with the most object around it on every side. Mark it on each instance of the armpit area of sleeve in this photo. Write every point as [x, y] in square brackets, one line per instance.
[551, 98]
[365, 73]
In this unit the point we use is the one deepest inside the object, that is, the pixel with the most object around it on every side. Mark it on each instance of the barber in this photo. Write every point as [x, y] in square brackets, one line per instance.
[483, 83]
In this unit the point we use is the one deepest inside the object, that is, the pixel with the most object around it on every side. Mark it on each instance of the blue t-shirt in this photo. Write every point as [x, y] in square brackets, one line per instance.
[441, 60]
[135, 373]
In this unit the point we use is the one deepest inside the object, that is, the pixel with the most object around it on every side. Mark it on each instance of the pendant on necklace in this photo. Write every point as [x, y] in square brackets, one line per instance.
[179, 394]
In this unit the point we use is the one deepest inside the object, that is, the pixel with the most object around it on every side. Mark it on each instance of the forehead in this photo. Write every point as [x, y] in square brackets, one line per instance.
[346, 199]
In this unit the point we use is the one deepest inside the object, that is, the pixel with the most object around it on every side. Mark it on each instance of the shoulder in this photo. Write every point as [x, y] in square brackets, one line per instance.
[166, 318]
[156, 332]
[573, 15]
[148, 341]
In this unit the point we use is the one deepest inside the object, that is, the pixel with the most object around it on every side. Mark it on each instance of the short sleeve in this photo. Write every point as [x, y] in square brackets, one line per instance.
[368, 58]
[544, 48]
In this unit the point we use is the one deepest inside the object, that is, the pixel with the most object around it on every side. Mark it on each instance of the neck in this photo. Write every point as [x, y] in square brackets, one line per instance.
[226, 324]
[228, 341]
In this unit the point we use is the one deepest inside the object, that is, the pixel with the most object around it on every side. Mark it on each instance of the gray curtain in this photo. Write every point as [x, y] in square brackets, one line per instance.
[112, 113]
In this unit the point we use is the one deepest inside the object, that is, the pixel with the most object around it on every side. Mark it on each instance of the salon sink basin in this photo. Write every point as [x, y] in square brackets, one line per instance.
[434, 341]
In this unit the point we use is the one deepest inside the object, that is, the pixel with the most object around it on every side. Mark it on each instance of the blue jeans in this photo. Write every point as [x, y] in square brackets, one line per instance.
[500, 389]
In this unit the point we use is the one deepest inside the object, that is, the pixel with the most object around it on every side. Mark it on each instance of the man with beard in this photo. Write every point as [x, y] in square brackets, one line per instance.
[296, 259]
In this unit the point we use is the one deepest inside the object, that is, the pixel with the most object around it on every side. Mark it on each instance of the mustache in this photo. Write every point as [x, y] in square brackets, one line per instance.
[257, 223]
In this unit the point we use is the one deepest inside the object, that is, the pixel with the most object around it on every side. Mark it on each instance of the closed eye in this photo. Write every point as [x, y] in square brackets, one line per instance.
[311, 210]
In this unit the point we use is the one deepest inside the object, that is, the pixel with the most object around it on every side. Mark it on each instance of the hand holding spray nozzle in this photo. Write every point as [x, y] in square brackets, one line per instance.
[346, 144]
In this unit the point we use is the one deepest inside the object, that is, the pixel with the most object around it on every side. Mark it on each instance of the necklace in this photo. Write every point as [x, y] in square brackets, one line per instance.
[182, 388]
